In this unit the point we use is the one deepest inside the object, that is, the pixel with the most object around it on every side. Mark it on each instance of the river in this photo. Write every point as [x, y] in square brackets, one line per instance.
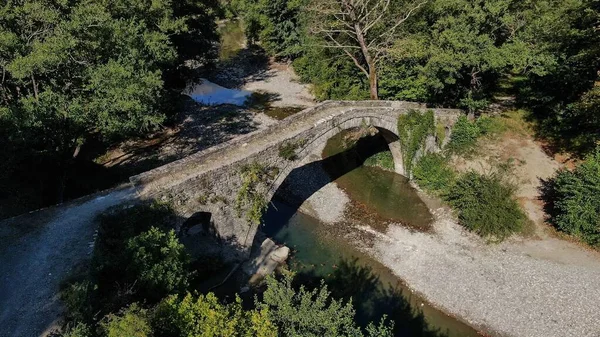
[330, 252]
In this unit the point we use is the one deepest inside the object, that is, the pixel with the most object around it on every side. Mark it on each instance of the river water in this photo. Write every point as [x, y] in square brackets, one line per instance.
[330, 252]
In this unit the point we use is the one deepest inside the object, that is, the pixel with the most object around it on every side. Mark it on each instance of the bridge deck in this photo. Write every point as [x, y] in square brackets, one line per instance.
[244, 146]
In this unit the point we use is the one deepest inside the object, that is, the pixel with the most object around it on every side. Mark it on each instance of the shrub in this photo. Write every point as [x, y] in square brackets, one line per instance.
[79, 330]
[486, 205]
[160, 262]
[433, 174]
[130, 322]
[288, 151]
[574, 200]
[313, 312]
[466, 133]
[464, 136]
[77, 298]
[383, 159]
[205, 315]
[251, 200]
[413, 129]
[118, 226]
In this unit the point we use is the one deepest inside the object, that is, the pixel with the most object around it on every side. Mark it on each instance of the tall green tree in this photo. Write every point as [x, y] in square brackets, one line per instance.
[454, 52]
[563, 95]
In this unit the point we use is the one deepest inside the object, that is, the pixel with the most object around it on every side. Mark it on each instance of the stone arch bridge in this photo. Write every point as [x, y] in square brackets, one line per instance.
[208, 181]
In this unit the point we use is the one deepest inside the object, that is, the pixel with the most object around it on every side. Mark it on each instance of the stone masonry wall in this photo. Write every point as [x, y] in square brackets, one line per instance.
[209, 180]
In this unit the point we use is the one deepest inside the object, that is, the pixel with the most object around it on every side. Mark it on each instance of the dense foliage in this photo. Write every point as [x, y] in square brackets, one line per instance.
[77, 70]
[434, 174]
[485, 203]
[383, 159]
[152, 293]
[457, 53]
[251, 199]
[413, 130]
[465, 133]
[574, 202]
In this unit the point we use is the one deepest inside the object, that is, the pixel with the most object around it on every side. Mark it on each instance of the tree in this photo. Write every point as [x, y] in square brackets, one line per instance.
[363, 29]
[132, 321]
[206, 316]
[160, 262]
[561, 95]
[92, 68]
[312, 313]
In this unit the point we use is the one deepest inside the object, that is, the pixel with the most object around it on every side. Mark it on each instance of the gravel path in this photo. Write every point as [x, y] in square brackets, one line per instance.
[281, 80]
[37, 252]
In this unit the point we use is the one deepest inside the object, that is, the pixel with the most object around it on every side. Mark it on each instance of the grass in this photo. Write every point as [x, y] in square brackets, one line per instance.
[383, 160]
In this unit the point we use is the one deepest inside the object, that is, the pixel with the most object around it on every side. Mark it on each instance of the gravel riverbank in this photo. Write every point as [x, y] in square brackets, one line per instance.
[515, 289]
[538, 286]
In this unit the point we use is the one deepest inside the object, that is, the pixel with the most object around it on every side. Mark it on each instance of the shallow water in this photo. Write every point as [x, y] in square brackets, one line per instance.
[318, 252]
[209, 93]
[386, 194]
[325, 251]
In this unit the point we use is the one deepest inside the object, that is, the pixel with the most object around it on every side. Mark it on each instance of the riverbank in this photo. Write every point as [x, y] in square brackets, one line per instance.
[537, 285]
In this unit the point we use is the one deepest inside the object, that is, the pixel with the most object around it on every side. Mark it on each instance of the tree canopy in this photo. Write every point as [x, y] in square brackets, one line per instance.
[91, 68]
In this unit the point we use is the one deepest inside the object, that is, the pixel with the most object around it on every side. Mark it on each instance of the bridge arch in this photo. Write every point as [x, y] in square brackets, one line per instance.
[209, 181]
[310, 146]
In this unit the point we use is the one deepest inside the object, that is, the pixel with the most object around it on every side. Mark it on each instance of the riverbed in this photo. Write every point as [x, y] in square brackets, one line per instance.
[332, 251]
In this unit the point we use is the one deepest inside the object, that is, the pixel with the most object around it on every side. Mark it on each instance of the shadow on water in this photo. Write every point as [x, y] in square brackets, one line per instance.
[372, 298]
[324, 251]
[306, 180]
[386, 196]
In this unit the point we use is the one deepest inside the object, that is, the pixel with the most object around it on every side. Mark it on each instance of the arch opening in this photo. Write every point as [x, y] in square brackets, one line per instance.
[324, 165]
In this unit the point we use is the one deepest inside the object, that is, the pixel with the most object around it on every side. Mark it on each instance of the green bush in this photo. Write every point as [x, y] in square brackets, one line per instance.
[288, 150]
[383, 160]
[433, 173]
[413, 129]
[464, 136]
[79, 330]
[303, 312]
[160, 262]
[574, 200]
[486, 205]
[130, 322]
[120, 225]
[466, 133]
[77, 299]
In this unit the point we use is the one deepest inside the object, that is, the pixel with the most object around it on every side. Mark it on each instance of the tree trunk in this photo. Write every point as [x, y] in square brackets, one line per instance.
[373, 84]
[370, 61]
[35, 88]
[62, 180]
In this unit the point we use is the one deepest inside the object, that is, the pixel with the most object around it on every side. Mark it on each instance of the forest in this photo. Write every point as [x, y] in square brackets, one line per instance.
[80, 75]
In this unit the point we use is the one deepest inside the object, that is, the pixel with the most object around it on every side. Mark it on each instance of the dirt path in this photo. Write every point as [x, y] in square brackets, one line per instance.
[37, 252]
[281, 80]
